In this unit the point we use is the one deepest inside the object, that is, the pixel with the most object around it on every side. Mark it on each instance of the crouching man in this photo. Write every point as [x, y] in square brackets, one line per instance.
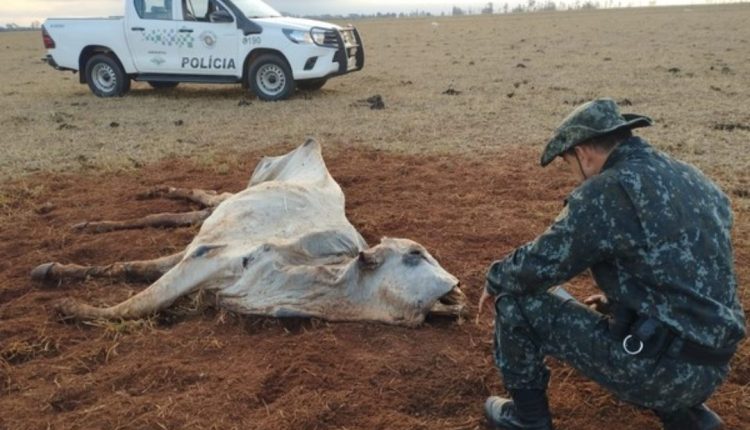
[655, 233]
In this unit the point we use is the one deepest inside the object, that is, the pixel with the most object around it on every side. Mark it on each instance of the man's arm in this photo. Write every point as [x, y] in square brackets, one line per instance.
[583, 234]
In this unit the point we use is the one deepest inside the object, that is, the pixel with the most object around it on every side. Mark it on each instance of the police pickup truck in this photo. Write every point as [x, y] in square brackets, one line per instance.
[165, 42]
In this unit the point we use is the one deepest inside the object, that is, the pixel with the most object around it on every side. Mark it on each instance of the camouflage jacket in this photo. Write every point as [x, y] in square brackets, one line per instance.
[655, 233]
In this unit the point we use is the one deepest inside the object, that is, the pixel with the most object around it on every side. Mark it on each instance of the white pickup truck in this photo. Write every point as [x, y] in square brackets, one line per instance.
[165, 42]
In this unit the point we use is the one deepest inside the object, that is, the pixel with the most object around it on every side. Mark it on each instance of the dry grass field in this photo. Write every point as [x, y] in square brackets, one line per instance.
[458, 173]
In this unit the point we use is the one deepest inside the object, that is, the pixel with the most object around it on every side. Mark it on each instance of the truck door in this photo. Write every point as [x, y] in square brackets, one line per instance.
[214, 28]
[153, 37]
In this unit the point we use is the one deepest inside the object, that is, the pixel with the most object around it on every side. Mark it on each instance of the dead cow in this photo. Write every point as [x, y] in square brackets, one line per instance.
[282, 247]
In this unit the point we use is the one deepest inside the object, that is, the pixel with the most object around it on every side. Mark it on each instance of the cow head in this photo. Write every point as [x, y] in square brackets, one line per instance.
[404, 283]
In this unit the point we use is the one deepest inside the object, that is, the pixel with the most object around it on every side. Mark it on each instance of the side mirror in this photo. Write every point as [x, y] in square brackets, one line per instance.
[220, 16]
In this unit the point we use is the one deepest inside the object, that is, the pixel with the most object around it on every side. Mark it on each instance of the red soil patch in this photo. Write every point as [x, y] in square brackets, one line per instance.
[208, 369]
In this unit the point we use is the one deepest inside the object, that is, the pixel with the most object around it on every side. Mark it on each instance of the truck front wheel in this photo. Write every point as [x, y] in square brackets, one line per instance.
[105, 77]
[270, 78]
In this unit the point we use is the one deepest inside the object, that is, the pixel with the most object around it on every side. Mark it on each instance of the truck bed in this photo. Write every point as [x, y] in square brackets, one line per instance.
[72, 35]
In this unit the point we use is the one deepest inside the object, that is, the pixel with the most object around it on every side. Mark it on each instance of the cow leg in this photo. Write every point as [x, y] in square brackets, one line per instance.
[184, 278]
[146, 270]
[205, 198]
[165, 220]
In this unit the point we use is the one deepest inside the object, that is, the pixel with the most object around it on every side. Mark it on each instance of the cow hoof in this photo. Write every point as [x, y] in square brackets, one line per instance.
[66, 309]
[41, 272]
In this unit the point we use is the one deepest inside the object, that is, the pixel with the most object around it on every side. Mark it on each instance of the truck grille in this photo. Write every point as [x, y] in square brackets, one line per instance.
[331, 39]
[347, 35]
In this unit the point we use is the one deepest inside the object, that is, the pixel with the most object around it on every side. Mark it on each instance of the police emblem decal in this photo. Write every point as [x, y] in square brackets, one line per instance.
[208, 38]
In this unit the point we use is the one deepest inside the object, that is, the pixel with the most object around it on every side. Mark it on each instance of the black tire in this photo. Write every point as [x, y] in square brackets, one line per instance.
[311, 84]
[163, 85]
[105, 76]
[270, 78]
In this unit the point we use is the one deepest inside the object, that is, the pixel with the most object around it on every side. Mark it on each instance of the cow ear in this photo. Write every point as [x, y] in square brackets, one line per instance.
[369, 260]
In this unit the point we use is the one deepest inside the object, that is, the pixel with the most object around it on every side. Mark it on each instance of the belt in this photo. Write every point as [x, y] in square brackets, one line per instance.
[648, 337]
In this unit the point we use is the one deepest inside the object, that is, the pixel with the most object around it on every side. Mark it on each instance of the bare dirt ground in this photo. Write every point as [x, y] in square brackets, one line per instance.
[457, 173]
[201, 368]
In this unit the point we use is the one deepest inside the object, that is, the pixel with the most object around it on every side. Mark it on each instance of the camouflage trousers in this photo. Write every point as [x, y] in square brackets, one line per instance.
[529, 328]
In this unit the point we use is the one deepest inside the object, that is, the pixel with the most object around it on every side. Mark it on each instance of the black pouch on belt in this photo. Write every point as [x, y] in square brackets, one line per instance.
[648, 337]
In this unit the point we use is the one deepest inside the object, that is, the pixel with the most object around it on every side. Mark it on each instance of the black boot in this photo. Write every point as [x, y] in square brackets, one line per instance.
[698, 417]
[528, 410]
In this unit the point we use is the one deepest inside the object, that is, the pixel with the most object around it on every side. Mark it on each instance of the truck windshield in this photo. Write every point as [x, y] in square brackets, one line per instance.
[255, 9]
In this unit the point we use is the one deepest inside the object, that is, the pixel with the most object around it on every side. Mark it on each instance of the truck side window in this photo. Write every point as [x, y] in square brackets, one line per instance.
[199, 10]
[154, 9]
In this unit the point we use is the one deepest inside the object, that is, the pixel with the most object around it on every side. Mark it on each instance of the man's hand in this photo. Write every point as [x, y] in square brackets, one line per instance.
[598, 302]
[487, 300]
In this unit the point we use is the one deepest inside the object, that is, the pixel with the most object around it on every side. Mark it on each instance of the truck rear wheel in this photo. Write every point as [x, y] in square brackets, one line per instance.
[270, 78]
[105, 76]
[311, 84]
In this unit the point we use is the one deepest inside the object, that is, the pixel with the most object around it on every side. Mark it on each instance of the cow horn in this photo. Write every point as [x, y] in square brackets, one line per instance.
[369, 259]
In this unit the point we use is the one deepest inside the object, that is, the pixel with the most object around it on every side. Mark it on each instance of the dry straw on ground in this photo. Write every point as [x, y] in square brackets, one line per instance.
[687, 67]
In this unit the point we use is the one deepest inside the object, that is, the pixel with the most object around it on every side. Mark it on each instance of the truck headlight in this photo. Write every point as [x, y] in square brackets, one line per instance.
[298, 36]
[318, 36]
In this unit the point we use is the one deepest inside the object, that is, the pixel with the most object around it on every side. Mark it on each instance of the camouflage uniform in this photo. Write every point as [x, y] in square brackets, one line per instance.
[655, 233]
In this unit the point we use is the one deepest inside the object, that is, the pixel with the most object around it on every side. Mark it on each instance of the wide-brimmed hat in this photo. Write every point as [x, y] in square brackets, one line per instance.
[589, 120]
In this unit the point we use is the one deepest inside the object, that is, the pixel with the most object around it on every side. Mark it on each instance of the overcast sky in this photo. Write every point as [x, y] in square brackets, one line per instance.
[23, 12]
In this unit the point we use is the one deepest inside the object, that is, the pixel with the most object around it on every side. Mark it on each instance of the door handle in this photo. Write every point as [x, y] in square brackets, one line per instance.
[186, 30]
[138, 29]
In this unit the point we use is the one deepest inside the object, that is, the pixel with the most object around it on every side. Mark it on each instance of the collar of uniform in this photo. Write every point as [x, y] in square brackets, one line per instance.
[625, 150]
